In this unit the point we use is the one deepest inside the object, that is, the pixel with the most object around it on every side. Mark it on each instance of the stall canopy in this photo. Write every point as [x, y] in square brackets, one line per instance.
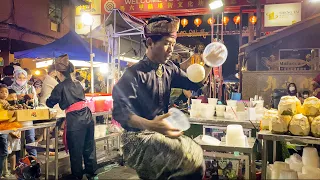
[71, 44]
[119, 25]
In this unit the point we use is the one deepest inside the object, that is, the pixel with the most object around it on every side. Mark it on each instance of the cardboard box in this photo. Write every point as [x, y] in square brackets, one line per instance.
[32, 114]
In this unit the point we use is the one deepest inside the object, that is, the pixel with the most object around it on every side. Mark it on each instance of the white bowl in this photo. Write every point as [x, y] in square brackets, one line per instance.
[215, 54]
[178, 119]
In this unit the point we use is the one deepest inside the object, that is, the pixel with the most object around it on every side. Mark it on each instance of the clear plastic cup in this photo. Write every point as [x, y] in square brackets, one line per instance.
[178, 119]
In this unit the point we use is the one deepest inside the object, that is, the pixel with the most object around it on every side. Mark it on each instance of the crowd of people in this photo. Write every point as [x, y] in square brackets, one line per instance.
[57, 87]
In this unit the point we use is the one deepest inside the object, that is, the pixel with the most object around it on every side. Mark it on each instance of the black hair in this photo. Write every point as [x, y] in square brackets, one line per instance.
[295, 87]
[67, 73]
[77, 74]
[154, 38]
[28, 71]
[11, 91]
[8, 70]
[306, 92]
[3, 86]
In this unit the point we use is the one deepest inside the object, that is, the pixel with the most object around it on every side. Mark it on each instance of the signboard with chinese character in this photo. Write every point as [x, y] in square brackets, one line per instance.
[140, 6]
[282, 14]
[93, 8]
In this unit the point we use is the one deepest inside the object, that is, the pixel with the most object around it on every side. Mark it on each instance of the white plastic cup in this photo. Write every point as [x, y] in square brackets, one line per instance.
[178, 119]
[212, 101]
[196, 101]
[220, 113]
[232, 103]
[220, 108]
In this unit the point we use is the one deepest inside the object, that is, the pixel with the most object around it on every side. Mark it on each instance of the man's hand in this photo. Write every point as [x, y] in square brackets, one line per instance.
[160, 125]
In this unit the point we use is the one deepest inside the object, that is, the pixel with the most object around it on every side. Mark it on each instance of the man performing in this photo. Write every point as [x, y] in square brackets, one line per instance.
[141, 99]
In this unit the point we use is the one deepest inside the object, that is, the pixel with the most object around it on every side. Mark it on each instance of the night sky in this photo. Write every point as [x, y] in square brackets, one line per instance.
[231, 41]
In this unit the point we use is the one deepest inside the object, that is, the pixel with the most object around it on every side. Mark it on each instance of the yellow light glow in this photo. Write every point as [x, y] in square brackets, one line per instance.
[37, 72]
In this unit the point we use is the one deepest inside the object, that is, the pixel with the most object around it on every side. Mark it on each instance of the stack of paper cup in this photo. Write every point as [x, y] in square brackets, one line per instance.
[288, 174]
[235, 136]
[277, 168]
[310, 157]
[212, 101]
[220, 109]
[208, 111]
[196, 101]
[232, 103]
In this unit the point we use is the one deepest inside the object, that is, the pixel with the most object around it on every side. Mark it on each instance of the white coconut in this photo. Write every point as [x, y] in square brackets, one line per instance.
[196, 73]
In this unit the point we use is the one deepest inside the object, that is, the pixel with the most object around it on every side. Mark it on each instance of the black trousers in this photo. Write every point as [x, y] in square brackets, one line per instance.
[81, 144]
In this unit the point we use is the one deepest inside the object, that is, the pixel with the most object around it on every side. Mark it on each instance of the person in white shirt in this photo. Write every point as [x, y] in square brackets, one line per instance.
[48, 84]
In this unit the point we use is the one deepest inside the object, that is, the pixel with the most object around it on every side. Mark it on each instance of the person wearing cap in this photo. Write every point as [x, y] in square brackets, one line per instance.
[151, 146]
[79, 126]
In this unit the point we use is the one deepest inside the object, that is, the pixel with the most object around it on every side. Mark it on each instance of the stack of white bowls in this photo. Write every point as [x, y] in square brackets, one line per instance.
[235, 136]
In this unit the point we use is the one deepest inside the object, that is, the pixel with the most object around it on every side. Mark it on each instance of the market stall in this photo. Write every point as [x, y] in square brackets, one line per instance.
[23, 121]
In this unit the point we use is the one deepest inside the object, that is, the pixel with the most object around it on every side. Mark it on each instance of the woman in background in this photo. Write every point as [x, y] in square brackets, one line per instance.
[25, 93]
[292, 90]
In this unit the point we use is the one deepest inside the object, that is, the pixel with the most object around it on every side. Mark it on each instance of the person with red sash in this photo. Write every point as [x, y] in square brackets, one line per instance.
[79, 129]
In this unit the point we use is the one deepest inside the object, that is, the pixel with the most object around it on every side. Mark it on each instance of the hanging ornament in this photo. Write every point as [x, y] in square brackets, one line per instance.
[211, 21]
[253, 20]
[236, 19]
[225, 20]
[184, 22]
[197, 22]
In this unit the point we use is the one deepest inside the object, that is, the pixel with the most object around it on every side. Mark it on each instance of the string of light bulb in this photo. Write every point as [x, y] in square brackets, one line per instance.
[236, 19]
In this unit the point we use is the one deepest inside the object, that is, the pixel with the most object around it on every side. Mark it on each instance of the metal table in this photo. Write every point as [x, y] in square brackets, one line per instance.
[249, 151]
[95, 114]
[266, 136]
[46, 126]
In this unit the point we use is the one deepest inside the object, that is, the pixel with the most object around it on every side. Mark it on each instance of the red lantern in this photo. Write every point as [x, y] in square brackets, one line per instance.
[253, 20]
[225, 20]
[197, 22]
[236, 19]
[211, 21]
[184, 22]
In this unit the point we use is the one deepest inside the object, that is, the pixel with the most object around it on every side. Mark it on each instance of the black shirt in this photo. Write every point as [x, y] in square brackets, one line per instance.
[140, 91]
[65, 94]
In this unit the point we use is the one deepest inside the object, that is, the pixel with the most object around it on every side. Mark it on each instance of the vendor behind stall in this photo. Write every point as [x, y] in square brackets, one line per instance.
[79, 128]
[48, 84]
[151, 146]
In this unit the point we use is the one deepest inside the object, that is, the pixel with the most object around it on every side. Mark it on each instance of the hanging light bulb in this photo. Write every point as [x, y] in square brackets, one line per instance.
[211, 21]
[236, 19]
[225, 20]
[253, 20]
[197, 22]
[184, 22]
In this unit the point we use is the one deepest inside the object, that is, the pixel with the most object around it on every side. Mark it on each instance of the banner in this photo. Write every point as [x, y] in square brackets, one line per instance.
[282, 14]
[94, 8]
[140, 6]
